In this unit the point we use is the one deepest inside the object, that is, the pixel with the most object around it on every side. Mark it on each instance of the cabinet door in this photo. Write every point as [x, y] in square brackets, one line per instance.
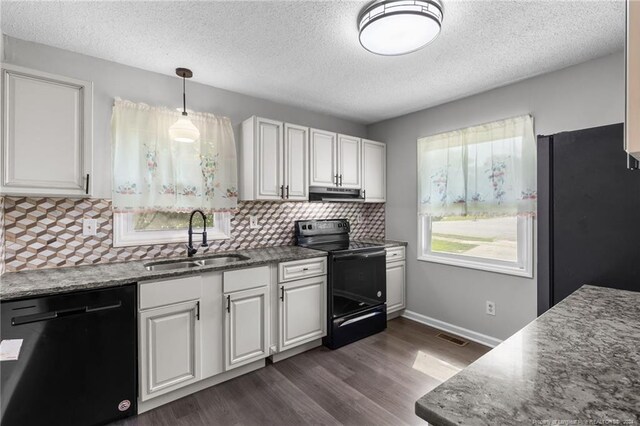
[47, 134]
[323, 158]
[395, 286]
[296, 162]
[246, 327]
[302, 311]
[374, 171]
[349, 162]
[170, 348]
[269, 151]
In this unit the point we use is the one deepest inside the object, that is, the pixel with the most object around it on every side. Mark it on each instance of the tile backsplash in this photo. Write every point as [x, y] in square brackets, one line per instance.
[47, 232]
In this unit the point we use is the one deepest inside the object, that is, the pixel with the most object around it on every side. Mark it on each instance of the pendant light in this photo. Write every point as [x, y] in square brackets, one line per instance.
[398, 27]
[183, 130]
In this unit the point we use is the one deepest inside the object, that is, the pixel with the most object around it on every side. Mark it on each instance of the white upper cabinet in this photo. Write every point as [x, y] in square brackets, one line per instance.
[349, 162]
[296, 162]
[46, 134]
[632, 122]
[374, 171]
[261, 164]
[274, 160]
[324, 167]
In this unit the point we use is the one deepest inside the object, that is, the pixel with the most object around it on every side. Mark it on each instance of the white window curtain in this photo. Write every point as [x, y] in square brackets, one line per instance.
[153, 173]
[486, 170]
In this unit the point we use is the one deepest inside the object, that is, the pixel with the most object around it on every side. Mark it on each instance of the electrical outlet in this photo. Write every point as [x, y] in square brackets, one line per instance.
[359, 218]
[491, 308]
[89, 227]
[253, 222]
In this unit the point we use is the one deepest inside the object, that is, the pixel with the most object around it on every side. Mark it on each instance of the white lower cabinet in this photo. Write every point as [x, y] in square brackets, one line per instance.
[170, 349]
[396, 282]
[302, 311]
[246, 327]
[198, 329]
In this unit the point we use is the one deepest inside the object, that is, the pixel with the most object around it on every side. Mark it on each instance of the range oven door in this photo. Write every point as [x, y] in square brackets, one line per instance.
[357, 282]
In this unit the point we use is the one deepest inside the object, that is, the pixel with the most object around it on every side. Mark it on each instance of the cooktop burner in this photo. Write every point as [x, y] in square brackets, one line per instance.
[344, 246]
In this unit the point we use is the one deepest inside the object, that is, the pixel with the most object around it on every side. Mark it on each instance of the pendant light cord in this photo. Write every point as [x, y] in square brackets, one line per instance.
[184, 96]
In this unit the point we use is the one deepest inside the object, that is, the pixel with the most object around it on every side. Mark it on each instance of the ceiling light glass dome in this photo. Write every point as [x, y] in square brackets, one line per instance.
[397, 27]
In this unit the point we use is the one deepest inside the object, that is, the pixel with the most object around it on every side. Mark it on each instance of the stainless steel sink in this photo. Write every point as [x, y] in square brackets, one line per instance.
[222, 260]
[170, 266]
[184, 264]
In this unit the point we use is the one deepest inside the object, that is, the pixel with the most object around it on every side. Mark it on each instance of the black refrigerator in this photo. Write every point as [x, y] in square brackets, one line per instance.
[588, 214]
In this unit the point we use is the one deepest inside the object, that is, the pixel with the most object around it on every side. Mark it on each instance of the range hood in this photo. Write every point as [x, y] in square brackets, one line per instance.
[334, 195]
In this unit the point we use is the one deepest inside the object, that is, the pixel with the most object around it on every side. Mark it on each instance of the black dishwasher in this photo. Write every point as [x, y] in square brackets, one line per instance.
[78, 360]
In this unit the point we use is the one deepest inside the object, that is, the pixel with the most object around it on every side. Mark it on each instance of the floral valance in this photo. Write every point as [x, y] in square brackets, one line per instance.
[486, 170]
[153, 173]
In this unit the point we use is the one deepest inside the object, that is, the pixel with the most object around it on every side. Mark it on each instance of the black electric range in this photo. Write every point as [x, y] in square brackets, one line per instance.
[356, 281]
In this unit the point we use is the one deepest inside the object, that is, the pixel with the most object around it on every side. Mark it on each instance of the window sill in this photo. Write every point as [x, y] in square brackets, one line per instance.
[479, 265]
[125, 236]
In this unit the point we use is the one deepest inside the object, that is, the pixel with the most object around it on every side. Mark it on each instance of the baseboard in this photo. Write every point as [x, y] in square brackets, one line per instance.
[159, 400]
[394, 314]
[474, 336]
[297, 350]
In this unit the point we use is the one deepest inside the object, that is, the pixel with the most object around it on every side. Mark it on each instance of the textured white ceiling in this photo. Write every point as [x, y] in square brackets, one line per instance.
[306, 53]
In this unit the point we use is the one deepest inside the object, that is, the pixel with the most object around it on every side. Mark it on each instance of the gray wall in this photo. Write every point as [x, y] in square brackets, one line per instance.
[115, 80]
[586, 95]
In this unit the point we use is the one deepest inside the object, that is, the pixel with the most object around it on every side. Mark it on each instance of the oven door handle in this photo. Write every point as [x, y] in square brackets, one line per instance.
[350, 256]
[353, 320]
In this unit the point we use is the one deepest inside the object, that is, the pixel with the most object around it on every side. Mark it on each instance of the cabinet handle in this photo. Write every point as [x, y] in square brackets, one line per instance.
[364, 194]
[340, 180]
[86, 185]
[198, 310]
[282, 293]
[336, 179]
[229, 303]
[305, 269]
[282, 191]
[287, 192]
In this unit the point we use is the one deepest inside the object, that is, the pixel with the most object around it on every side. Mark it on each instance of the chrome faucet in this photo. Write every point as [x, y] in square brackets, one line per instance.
[190, 249]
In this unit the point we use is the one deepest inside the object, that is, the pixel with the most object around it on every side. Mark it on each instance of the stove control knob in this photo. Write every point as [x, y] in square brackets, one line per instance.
[310, 227]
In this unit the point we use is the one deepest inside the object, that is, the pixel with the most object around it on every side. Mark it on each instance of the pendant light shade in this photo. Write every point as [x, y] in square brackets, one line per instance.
[398, 27]
[184, 130]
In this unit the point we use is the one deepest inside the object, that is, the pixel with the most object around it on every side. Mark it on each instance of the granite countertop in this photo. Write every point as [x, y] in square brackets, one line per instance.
[386, 243]
[578, 363]
[17, 285]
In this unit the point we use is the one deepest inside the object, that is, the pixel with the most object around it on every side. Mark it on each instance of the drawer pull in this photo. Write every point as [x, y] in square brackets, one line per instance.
[305, 269]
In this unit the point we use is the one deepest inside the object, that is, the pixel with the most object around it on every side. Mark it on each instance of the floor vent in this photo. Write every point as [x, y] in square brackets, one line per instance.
[454, 340]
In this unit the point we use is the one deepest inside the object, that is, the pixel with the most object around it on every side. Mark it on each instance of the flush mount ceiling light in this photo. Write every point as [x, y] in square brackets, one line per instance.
[184, 130]
[397, 27]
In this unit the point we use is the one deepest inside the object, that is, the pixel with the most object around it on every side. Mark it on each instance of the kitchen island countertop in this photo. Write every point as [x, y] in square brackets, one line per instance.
[578, 363]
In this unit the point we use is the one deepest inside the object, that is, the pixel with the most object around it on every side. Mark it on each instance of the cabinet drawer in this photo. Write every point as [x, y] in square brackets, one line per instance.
[244, 279]
[297, 269]
[395, 254]
[162, 293]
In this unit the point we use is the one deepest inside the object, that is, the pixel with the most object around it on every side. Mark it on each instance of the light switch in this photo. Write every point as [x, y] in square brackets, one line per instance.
[89, 227]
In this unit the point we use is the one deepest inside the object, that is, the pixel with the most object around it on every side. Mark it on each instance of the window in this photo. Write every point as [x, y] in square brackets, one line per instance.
[132, 229]
[165, 178]
[477, 197]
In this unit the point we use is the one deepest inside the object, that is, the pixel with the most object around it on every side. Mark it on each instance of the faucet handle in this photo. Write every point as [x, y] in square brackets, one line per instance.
[204, 239]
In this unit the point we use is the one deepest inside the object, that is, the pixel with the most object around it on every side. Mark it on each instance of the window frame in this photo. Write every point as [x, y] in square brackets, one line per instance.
[125, 235]
[522, 268]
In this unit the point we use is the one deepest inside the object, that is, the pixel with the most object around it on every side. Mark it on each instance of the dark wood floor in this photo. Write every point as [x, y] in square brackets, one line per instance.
[375, 381]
